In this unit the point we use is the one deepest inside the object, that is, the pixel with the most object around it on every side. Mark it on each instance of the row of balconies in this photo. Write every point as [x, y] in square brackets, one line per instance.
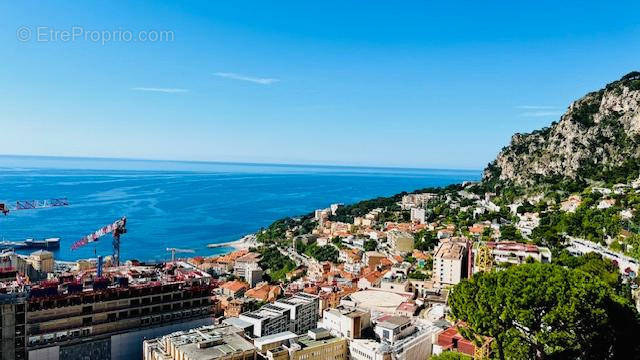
[58, 312]
[113, 295]
[112, 315]
[108, 327]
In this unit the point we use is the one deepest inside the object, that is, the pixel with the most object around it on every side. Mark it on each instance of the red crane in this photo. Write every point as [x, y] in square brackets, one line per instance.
[5, 208]
[117, 228]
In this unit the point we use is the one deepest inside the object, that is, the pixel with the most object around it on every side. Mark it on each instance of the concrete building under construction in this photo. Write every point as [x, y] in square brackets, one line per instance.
[86, 316]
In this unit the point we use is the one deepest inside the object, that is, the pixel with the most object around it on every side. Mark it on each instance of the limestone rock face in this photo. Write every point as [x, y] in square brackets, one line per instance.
[598, 132]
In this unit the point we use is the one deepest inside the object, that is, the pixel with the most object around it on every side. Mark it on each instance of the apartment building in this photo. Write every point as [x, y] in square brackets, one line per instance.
[345, 322]
[318, 344]
[406, 341]
[372, 258]
[401, 242]
[418, 215]
[511, 252]
[303, 311]
[42, 261]
[416, 200]
[449, 263]
[13, 323]
[207, 342]
[103, 317]
[394, 328]
[248, 268]
[298, 313]
[270, 319]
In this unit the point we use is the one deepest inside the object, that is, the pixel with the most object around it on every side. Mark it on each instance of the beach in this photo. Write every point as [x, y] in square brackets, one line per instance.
[245, 242]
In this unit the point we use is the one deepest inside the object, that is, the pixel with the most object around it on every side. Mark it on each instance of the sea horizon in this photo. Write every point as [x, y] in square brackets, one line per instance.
[184, 204]
[220, 162]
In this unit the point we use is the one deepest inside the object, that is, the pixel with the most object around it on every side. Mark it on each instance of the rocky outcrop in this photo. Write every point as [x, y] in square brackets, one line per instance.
[599, 132]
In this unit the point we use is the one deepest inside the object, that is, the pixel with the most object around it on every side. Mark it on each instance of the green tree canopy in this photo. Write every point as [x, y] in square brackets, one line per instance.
[545, 311]
[451, 355]
[509, 232]
[370, 245]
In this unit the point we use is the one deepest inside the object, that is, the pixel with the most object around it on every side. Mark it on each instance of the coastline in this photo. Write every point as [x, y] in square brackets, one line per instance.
[245, 242]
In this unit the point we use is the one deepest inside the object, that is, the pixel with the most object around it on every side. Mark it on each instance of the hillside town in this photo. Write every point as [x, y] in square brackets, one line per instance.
[369, 281]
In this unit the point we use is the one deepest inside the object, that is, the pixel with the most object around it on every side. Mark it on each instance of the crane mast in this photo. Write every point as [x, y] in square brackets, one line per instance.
[176, 250]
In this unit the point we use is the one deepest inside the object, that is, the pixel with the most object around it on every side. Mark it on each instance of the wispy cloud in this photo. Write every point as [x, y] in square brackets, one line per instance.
[536, 107]
[538, 110]
[160, 90]
[541, 113]
[253, 79]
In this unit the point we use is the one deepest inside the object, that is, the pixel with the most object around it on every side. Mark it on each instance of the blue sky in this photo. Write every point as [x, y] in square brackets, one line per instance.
[419, 84]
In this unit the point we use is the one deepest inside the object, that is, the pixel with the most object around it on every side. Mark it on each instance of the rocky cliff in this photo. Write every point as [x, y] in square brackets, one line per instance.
[599, 133]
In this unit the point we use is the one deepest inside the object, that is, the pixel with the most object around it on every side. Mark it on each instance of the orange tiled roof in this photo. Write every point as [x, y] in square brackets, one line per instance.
[417, 254]
[386, 262]
[235, 285]
[373, 277]
[259, 292]
[476, 229]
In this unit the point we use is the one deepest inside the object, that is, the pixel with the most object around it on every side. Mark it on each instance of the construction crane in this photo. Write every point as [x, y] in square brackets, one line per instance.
[117, 228]
[176, 250]
[5, 208]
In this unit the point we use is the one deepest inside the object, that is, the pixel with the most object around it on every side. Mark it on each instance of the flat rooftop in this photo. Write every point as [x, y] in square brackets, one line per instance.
[207, 342]
[380, 300]
[305, 341]
[349, 312]
[287, 335]
[450, 251]
[393, 322]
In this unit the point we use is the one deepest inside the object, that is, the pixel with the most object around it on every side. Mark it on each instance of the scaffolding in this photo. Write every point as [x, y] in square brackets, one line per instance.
[484, 259]
[483, 351]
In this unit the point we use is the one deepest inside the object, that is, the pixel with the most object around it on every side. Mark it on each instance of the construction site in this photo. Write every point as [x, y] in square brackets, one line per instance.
[89, 316]
[100, 309]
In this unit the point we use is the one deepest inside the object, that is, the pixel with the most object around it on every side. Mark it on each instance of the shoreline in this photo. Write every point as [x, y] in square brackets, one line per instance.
[245, 242]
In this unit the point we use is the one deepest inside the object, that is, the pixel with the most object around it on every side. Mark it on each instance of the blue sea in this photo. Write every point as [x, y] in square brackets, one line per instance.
[183, 204]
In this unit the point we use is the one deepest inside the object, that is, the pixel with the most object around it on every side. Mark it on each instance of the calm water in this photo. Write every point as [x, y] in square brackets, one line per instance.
[183, 204]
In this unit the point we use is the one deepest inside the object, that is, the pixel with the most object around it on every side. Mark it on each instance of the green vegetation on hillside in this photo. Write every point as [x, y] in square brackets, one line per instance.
[276, 232]
[425, 240]
[348, 212]
[320, 253]
[277, 264]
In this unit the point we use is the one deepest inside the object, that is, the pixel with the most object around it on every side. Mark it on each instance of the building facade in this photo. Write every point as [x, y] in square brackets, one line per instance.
[105, 317]
[345, 322]
[449, 263]
[207, 342]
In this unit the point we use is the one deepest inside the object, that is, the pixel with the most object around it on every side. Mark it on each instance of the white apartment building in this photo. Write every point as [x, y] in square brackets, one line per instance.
[413, 342]
[268, 320]
[528, 222]
[394, 328]
[418, 215]
[416, 200]
[449, 262]
[208, 342]
[513, 252]
[297, 314]
[303, 311]
[345, 321]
